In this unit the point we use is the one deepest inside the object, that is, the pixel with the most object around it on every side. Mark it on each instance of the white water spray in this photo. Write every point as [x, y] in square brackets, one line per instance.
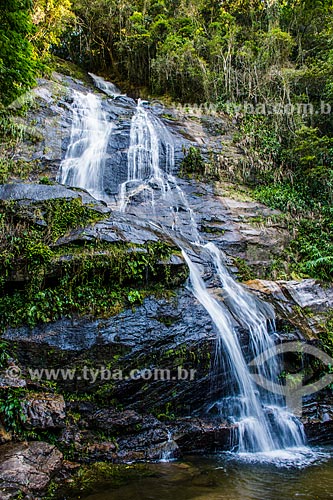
[84, 162]
[262, 425]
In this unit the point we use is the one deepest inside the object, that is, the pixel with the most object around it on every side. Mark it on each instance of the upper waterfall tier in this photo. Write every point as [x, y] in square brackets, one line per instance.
[85, 159]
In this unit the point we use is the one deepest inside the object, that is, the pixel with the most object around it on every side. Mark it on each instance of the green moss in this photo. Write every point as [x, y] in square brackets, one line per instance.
[70, 69]
[167, 415]
[244, 272]
[45, 180]
[167, 320]
[94, 278]
[62, 215]
[192, 164]
[234, 191]
[168, 116]
[10, 169]
[212, 230]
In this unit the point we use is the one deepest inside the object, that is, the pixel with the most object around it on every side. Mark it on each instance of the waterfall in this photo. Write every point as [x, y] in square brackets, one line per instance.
[84, 162]
[108, 88]
[143, 158]
[151, 163]
[261, 423]
[168, 449]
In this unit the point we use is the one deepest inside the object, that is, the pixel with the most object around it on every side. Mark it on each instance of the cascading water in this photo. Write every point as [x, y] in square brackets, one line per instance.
[151, 162]
[261, 423]
[168, 449]
[143, 159]
[108, 88]
[84, 162]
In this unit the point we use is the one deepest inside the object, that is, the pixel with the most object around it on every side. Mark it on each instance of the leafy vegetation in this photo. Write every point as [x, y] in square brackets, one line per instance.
[29, 30]
[192, 164]
[11, 409]
[17, 64]
[42, 280]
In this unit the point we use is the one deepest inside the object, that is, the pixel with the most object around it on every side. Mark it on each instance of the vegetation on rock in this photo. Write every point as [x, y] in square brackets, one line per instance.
[42, 280]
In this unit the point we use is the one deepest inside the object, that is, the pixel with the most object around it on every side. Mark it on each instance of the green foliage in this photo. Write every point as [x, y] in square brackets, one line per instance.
[4, 354]
[11, 409]
[196, 51]
[326, 335]
[17, 62]
[50, 19]
[192, 164]
[45, 180]
[10, 130]
[284, 196]
[310, 252]
[244, 271]
[313, 247]
[134, 296]
[167, 415]
[62, 215]
[94, 278]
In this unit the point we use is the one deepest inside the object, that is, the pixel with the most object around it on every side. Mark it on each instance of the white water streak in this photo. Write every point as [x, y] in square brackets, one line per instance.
[108, 88]
[84, 163]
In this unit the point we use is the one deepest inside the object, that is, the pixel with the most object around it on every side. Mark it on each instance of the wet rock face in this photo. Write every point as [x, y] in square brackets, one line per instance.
[304, 304]
[30, 194]
[120, 111]
[138, 436]
[304, 293]
[317, 418]
[120, 436]
[50, 120]
[118, 229]
[160, 334]
[27, 468]
[197, 435]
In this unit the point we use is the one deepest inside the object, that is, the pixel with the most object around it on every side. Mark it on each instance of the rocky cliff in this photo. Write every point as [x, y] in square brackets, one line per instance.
[100, 294]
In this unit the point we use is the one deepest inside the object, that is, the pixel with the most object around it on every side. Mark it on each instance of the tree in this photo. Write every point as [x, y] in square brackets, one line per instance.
[17, 61]
[51, 18]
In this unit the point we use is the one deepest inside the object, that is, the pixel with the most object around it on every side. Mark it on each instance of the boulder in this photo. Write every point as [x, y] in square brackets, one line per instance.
[35, 193]
[44, 411]
[317, 418]
[304, 303]
[27, 468]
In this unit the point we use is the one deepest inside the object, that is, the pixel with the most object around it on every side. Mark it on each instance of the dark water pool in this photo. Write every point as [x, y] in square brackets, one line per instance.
[306, 477]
